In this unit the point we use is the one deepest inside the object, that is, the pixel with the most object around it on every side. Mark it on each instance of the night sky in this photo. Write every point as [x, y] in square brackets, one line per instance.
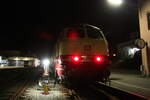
[34, 25]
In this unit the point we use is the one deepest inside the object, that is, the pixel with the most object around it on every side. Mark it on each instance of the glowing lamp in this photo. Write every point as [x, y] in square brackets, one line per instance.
[76, 58]
[46, 62]
[115, 2]
[99, 59]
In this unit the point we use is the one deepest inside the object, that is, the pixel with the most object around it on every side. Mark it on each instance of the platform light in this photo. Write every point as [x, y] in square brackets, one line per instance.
[132, 51]
[26, 58]
[115, 2]
[16, 59]
[114, 55]
[46, 62]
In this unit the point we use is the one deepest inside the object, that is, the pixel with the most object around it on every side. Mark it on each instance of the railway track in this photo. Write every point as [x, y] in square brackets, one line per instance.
[30, 81]
[15, 81]
[96, 91]
[23, 87]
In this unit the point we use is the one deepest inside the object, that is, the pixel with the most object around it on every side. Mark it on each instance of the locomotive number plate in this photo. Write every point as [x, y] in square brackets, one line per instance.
[87, 49]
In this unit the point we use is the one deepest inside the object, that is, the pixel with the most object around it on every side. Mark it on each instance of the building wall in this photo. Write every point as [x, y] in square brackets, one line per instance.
[144, 9]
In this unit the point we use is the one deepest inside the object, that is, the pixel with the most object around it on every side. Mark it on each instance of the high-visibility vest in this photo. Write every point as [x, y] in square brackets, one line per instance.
[59, 70]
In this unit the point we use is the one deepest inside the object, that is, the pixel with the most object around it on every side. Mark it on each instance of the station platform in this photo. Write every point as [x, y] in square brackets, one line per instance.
[10, 67]
[132, 82]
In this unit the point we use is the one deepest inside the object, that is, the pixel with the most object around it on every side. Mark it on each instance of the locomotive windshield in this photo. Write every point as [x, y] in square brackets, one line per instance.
[75, 33]
[94, 33]
[82, 32]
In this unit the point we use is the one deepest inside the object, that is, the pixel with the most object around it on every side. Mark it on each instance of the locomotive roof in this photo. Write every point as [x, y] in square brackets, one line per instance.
[81, 26]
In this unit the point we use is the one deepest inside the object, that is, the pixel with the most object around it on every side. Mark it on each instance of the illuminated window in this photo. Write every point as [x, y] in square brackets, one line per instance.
[148, 19]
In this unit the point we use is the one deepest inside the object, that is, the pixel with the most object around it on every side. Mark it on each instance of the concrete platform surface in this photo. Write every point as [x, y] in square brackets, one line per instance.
[133, 83]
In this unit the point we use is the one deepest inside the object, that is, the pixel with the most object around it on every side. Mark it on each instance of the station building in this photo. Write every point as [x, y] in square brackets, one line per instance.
[17, 59]
[144, 21]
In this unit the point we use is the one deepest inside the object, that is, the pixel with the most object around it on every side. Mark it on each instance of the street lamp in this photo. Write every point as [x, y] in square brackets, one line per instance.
[115, 2]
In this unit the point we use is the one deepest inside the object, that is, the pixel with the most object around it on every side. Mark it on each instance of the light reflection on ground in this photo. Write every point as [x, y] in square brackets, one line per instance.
[57, 92]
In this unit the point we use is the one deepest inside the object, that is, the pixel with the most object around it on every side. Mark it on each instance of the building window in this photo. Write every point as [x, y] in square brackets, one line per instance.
[148, 18]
